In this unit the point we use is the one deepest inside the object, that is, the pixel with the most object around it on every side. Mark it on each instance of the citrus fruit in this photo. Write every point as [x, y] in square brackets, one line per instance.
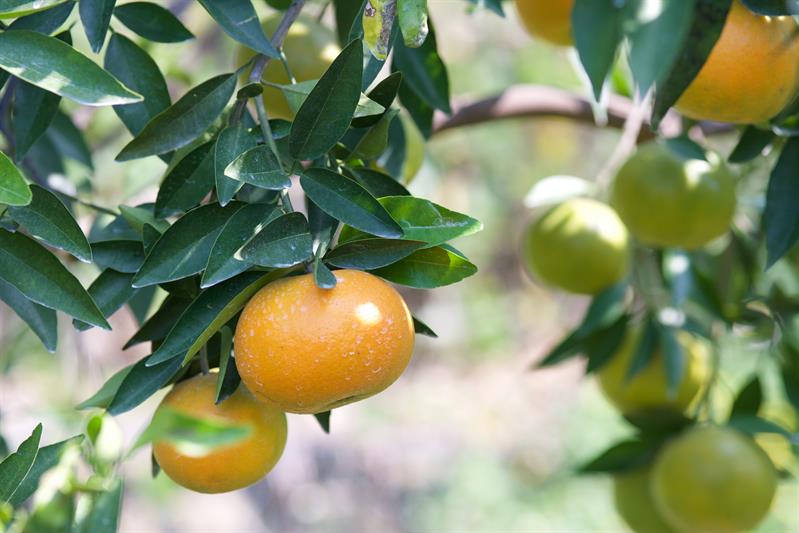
[228, 467]
[648, 390]
[310, 350]
[579, 245]
[670, 200]
[751, 73]
[548, 19]
[310, 48]
[713, 480]
[633, 499]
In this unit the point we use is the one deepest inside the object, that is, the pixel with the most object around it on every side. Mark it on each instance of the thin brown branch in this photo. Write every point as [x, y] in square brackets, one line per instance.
[282, 30]
[526, 101]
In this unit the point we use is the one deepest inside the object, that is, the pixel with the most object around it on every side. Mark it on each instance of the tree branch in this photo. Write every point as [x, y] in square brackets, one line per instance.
[525, 101]
[279, 36]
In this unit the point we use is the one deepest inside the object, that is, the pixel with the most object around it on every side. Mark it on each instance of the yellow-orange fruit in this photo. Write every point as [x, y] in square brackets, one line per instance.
[310, 350]
[229, 467]
[548, 19]
[751, 73]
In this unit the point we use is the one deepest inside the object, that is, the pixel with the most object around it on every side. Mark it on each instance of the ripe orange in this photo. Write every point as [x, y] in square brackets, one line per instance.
[713, 479]
[633, 499]
[669, 200]
[229, 467]
[580, 246]
[548, 19]
[310, 48]
[310, 350]
[751, 73]
[648, 391]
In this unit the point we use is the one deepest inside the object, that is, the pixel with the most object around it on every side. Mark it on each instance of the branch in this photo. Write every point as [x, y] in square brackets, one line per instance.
[282, 30]
[525, 101]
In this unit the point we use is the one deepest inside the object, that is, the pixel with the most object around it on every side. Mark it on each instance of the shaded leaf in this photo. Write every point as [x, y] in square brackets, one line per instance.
[140, 383]
[751, 144]
[428, 268]
[324, 420]
[623, 456]
[232, 142]
[749, 399]
[187, 183]
[284, 242]
[158, 326]
[16, 466]
[41, 320]
[781, 218]
[111, 290]
[239, 20]
[369, 254]
[424, 72]
[103, 397]
[96, 16]
[259, 167]
[33, 111]
[423, 329]
[152, 22]
[122, 256]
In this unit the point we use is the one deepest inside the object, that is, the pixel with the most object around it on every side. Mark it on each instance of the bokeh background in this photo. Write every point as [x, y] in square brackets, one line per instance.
[470, 438]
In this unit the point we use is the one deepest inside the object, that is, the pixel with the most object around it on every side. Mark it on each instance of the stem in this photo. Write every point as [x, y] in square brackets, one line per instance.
[277, 39]
[88, 204]
[287, 68]
[204, 361]
[266, 129]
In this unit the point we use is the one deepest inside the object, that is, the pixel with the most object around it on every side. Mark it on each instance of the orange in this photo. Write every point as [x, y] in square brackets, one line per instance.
[648, 391]
[310, 48]
[310, 350]
[669, 200]
[634, 503]
[229, 467]
[751, 73]
[579, 245]
[548, 19]
[713, 479]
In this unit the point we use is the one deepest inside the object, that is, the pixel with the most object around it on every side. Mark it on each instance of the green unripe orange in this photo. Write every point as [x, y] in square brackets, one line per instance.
[633, 499]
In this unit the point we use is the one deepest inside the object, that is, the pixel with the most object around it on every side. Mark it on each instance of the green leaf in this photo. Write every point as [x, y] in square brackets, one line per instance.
[184, 121]
[207, 314]
[16, 466]
[428, 268]
[122, 256]
[111, 290]
[709, 19]
[191, 435]
[781, 218]
[137, 70]
[327, 112]
[369, 254]
[323, 276]
[597, 30]
[419, 110]
[347, 201]
[13, 188]
[324, 420]
[69, 140]
[772, 8]
[601, 346]
[623, 456]
[140, 383]
[232, 142]
[47, 21]
[240, 21]
[47, 219]
[187, 183]
[103, 515]
[749, 399]
[158, 326]
[383, 94]
[412, 17]
[41, 320]
[751, 144]
[422, 220]
[421, 328]
[284, 242]
[297, 93]
[347, 14]
[228, 380]
[55, 66]
[139, 217]
[152, 22]
[259, 167]
[424, 72]
[375, 140]
[96, 16]
[47, 458]
[183, 249]
[754, 425]
[224, 261]
[103, 397]
[33, 111]
[673, 358]
[38, 275]
[19, 8]
[645, 350]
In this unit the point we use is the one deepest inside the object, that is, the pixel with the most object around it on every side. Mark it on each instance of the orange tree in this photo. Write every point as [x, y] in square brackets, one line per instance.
[223, 240]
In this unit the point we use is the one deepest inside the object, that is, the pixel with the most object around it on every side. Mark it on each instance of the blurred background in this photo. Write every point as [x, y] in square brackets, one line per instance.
[470, 438]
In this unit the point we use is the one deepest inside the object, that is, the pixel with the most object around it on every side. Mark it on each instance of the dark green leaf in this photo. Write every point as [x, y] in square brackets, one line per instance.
[187, 183]
[424, 72]
[224, 261]
[46, 22]
[38, 275]
[239, 20]
[183, 249]
[122, 256]
[46, 458]
[422, 220]
[327, 112]
[324, 420]
[374, 141]
[749, 399]
[428, 268]
[323, 276]
[47, 219]
[69, 139]
[140, 217]
[384, 94]
[645, 350]
[347, 12]
[96, 16]
[137, 70]
[673, 358]
[111, 290]
[19, 8]
[140, 383]
[773, 8]
[348, 202]
[228, 380]
[751, 144]
[420, 111]
[754, 425]
[16, 466]
[259, 167]
[158, 326]
[601, 346]
[103, 397]
[284, 242]
[41, 320]
[184, 121]
[13, 188]
[369, 254]
[598, 30]
[33, 111]
[103, 515]
[423, 329]
[781, 218]
[231, 143]
[55, 66]
[152, 22]
[626, 455]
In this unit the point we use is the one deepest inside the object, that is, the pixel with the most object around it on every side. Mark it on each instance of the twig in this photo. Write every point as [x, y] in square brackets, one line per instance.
[277, 39]
[626, 145]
